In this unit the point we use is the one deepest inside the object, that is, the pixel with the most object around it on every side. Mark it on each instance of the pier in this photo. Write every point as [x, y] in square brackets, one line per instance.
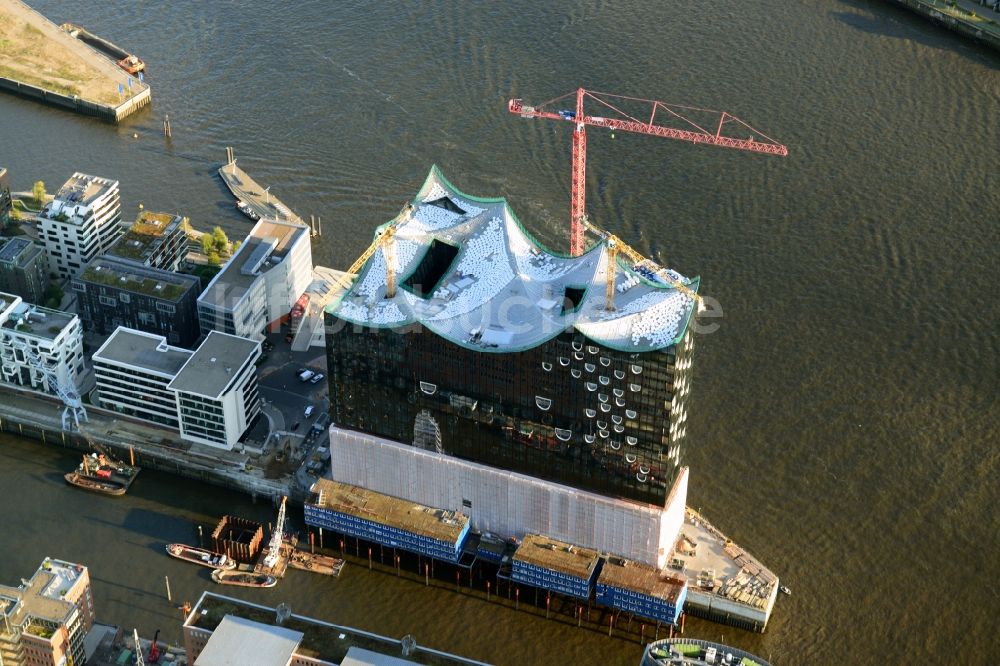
[44, 63]
[976, 19]
[250, 192]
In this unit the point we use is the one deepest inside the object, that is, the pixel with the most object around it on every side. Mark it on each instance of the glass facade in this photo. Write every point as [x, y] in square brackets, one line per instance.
[568, 410]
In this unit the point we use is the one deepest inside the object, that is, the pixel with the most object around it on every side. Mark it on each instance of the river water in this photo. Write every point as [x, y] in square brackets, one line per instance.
[844, 416]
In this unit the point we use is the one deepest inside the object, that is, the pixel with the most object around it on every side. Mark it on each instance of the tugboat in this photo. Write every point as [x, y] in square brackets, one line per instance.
[205, 558]
[245, 208]
[243, 578]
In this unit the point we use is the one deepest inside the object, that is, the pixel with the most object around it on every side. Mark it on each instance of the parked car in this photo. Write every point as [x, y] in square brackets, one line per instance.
[317, 378]
[309, 411]
[306, 375]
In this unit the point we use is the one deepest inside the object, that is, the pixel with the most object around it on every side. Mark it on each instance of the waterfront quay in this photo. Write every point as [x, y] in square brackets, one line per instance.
[250, 192]
[40, 61]
[978, 20]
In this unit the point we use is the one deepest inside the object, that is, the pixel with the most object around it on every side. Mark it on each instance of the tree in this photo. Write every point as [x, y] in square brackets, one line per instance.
[213, 258]
[207, 244]
[220, 239]
[38, 192]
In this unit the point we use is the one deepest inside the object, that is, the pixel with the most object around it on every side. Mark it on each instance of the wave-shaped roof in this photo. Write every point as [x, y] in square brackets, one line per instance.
[503, 291]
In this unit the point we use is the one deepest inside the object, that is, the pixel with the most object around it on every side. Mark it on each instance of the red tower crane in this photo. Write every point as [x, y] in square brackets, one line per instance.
[685, 123]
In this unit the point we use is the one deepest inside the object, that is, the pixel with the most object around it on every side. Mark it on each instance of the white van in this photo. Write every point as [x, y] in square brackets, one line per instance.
[306, 375]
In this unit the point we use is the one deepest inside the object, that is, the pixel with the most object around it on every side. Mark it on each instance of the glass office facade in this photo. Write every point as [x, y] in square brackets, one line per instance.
[568, 410]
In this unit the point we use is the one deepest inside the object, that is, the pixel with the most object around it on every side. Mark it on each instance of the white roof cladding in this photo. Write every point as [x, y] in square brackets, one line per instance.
[504, 291]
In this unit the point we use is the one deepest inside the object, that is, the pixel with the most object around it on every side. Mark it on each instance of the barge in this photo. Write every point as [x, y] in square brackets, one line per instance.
[102, 474]
[243, 578]
[127, 61]
[200, 556]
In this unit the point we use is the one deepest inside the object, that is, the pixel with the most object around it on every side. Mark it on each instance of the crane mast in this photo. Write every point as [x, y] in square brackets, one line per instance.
[277, 537]
[682, 126]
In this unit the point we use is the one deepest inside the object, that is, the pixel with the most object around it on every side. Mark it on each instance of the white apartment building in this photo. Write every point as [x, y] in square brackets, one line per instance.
[133, 369]
[259, 285]
[209, 395]
[35, 341]
[82, 222]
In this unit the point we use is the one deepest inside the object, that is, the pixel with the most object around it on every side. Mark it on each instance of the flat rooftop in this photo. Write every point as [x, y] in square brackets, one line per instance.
[143, 350]
[356, 501]
[642, 578]
[10, 250]
[83, 190]
[215, 364]
[320, 640]
[146, 235]
[238, 641]
[134, 277]
[35, 320]
[557, 555]
[713, 563]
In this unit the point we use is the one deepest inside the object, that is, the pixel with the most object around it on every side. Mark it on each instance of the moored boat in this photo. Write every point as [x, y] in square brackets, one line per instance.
[97, 484]
[243, 578]
[205, 558]
[247, 210]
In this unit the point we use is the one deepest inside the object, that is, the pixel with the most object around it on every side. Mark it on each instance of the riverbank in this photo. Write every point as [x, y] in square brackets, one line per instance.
[967, 19]
[40, 61]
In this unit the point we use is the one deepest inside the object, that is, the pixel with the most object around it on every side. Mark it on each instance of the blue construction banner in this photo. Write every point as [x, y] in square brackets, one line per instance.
[130, 83]
[121, 89]
[141, 78]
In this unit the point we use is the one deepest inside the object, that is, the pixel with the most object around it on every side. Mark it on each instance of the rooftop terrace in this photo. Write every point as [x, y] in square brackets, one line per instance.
[42, 596]
[416, 518]
[545, 552]
[115, 272]
[320, 640]
[145, 235]
[143, 350]
[10, 249]
[84, 190]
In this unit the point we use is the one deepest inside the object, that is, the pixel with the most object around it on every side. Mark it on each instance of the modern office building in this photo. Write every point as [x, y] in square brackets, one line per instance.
[133, 369]
[217, 396]
[223, 631]
[44, 620]
[5, 201]
[498, 362]
[24, 269]
[259, 285]
[115, 292]
[82, 222]
[157, 240]
[37, 343]
[210, 394]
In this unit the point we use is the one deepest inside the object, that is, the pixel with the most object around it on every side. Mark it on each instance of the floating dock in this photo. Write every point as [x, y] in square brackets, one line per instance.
[257, 198]
[280, 567]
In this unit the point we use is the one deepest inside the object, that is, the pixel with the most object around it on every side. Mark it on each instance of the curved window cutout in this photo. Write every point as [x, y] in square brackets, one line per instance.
[604, 380]
[428, 388]
[605, 407]
[590, 439]
[636, 369]
[591, 386]
[576, 373]
[619, 374]
[635, 388]
[578, 356]
[616, 419]
[643, 469]
[577, 345]
[603, 433]
[563, 435]
[620, 402]
[616, 445]
[592, 349]
[543, 403]
[630, 458]
[619, 393]
[630, 413]
[632, 441]
[605, 361]
[563, 361]
[546, 366]
[640, 477]
[591, 413]
[619, 429]
[589, 367]
[602, 425]
[603, 397]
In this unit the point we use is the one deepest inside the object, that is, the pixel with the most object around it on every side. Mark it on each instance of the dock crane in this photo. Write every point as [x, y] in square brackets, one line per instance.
[277, 538]
[73, 410]
[688, 129]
